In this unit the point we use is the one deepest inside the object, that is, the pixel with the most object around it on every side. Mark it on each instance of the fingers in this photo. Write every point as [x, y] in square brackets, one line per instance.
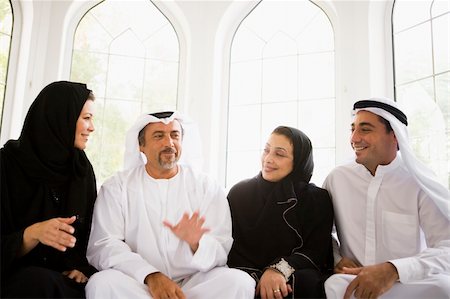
[354, 271]
[168, 224]
[272, 293]
[277, 293]
[284, 290]
[289, 288]
[66, 227]
[57, 233]
[272, 285]
[68, 220]
[169, 292]
[351, 288]
[63, 240]
[180, 294]
[76, 275]
[258, 289]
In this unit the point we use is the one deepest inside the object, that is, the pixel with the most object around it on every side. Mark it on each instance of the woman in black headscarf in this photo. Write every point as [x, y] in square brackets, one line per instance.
[281, 222]
[47, 197]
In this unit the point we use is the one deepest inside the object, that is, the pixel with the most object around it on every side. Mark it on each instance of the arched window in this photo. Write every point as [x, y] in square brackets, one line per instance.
[6, 24]
[282, 73]
[421, 31]
[128, 54]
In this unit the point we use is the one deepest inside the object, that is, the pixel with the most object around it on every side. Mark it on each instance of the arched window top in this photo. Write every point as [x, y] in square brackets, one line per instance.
[128, 54]
[276, 23]
[282, 71]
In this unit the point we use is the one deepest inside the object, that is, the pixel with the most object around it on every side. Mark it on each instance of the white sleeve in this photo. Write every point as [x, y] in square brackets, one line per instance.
[106, 247]
[434, 259]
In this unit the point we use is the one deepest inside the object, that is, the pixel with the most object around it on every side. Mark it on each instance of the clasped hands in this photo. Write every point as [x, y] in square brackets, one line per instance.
[370, 281]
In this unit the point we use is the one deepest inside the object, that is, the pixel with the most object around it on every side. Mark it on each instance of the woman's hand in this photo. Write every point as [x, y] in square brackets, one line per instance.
[273, 285]
[76, 275]
[55, 232]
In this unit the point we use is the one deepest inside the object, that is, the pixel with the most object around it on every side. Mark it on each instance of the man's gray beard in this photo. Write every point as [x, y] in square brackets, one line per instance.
[168, 165]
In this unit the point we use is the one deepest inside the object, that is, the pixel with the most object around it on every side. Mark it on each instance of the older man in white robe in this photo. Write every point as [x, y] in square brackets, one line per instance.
[391, 214]
[161, 229]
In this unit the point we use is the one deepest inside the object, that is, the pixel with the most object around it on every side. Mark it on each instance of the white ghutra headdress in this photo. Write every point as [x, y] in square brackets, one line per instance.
[192, 148]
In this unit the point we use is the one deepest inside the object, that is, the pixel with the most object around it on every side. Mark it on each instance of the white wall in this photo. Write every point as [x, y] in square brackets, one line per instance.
[42, 44]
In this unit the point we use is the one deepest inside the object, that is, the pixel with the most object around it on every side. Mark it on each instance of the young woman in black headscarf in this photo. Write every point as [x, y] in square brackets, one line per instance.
[47, 197]
[282, 223]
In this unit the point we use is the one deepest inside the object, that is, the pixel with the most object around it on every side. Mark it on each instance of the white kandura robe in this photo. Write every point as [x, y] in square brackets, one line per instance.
[129, 238]
[387, 217]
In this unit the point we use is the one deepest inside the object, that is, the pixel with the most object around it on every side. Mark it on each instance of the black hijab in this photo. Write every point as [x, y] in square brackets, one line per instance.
[42, 174]
[45, 147]
[303, 157]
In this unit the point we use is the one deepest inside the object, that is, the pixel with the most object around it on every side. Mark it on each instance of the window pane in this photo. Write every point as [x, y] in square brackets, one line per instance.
[423, 89]
[426, 125]
[117, 116]
[246, 81]
[413, 60]
[441, 33]
[247, 46]
[6, 23]
[129, 87]
[307, 40]
[248, 138]
[279, 79]
[159, 82]
[408, 13]
[5, 41]
[440, 7]
[91, 67]
[316, 79]
[324, 160]
[280, 45]
[92, 36]
[321, 130]
[242, 164]
[443, 101]
[278, 114]
[127, 53]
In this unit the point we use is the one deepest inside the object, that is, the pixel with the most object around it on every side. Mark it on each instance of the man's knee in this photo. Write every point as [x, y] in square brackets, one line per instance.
[242, 279]
[336, 285]
[101, 281]
[233, 280]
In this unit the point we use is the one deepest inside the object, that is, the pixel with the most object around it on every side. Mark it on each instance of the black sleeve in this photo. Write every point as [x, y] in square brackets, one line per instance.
[11, 239]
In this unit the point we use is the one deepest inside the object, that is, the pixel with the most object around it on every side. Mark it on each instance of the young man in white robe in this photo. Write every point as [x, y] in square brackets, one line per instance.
[162, 229]
[391, 214]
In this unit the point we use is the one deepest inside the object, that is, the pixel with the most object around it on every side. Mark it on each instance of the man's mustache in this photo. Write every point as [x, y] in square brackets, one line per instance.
[168, 150]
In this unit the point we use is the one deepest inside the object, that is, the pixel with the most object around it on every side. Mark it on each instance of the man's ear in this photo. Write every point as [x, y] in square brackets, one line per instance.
[395, 139]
